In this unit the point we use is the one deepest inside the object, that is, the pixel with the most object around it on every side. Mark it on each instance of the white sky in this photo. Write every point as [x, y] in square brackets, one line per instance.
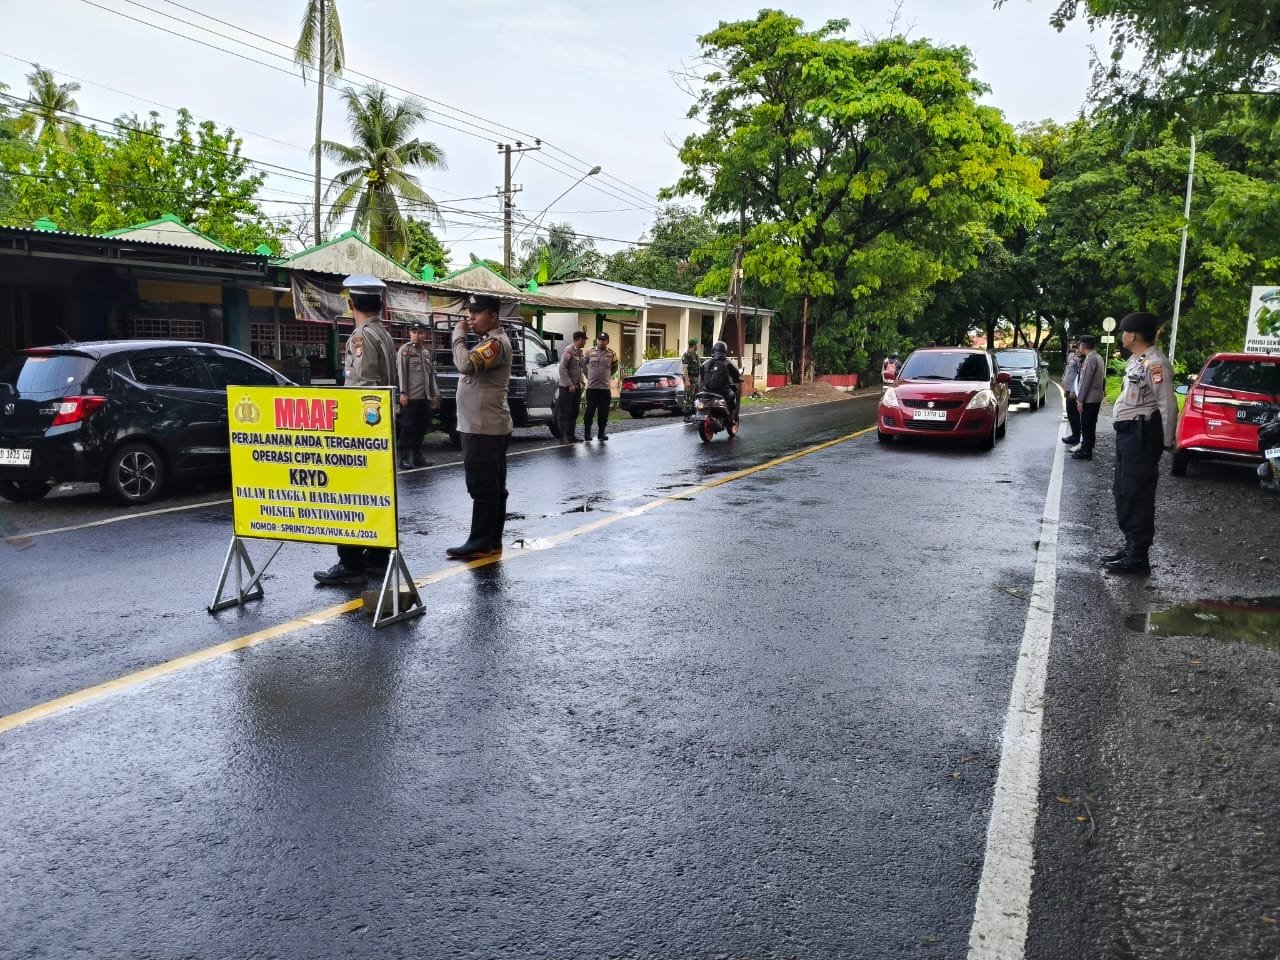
[593, 79]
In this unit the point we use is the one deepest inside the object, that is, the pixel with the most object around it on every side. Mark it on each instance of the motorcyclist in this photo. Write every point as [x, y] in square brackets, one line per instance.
[720, 376]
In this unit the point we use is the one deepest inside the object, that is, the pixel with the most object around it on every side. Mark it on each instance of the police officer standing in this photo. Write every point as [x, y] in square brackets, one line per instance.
[419, 394]
[1145, 417]
[569, 394]
[1070, 380]
[484, 423]
[370, 362]
[602, 364]
[692, 372]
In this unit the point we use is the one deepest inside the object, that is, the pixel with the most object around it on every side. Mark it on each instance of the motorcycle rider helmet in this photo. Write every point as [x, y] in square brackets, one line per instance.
[720, 350]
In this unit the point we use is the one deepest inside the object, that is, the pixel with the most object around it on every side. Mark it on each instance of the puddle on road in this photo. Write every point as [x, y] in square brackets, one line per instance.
[1233, 620]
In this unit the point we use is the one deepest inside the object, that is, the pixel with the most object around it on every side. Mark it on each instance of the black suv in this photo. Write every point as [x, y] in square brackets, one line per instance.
[1030, 373]
[128, 414]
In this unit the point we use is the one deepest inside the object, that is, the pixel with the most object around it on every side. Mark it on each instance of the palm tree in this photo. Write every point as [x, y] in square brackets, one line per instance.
[376, 179]
[49, 102]
[319, 45]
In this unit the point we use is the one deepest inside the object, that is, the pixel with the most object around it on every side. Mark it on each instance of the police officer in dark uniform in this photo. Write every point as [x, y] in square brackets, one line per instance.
[692, 373]
[419, 394]
[1145, 415]
[370, 362]
[484, 423]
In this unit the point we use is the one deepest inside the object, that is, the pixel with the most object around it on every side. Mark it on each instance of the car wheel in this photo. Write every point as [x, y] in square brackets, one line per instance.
[1178, 467]
[20, 491]
[1000, 430]
[135, 474]
[705, 431]
[989, 441]
[636, 414]
[884, 437]
[1036, 402]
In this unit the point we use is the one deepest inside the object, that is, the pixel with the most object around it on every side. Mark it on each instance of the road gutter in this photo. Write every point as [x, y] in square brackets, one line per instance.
[1002, 912]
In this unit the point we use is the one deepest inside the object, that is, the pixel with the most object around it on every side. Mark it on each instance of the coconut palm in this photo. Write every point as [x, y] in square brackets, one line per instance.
[376, 178]
[319, 45]
[49, 103]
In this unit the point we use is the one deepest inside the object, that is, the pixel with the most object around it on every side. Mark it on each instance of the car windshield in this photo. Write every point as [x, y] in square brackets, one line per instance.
[947, 365]
[1016, 359]
[653, 368]
[46, 376]
[1253, 376]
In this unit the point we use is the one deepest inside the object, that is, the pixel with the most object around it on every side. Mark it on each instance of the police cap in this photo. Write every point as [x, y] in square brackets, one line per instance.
[481, 302]
[1089, 340]
[418, 325]
[362, 284]
[602, 335]
[1143, 324]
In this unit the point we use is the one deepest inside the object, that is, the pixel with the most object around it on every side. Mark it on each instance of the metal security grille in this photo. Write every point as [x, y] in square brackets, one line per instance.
[162, 328]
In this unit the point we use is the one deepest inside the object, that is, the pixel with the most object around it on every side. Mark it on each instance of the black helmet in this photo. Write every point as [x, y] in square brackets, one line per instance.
[719, 349]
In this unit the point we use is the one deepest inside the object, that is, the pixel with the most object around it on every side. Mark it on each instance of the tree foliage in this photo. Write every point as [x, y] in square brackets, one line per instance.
[559, 255]
[424, 248]
[668, 261]
[867, 172]
[376, 177]
[93, 182]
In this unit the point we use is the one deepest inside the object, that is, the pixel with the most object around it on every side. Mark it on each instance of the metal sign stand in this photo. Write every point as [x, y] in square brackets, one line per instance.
[396, 578]
[239, 556]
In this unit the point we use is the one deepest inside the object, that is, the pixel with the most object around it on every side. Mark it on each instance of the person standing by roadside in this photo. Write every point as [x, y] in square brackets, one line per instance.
[370, 362]
[602, 364]
[692, 364]
[484, 423]
[419, 394]
[1145, 417]
[889, 369]
[1090, 389]
[572, 377]
[1070, 379]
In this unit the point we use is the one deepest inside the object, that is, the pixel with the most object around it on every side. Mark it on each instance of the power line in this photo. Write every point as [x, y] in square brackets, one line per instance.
[493, 127]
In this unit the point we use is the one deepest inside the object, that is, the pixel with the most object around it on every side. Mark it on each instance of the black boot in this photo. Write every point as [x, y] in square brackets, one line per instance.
[498, 524]
[477, 544]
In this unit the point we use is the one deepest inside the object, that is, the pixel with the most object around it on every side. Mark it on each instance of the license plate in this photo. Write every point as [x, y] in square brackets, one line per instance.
[928, 415]
[1273, 454]
[14, 458]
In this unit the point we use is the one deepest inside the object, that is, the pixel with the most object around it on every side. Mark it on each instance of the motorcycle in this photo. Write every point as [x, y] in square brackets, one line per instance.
[1269, 447]
[711, 414]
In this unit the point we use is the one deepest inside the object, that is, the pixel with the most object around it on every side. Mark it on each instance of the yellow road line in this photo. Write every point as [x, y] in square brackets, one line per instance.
[59, 704]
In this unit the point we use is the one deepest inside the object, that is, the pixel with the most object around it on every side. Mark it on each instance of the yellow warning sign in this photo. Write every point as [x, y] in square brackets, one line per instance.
[315, 464]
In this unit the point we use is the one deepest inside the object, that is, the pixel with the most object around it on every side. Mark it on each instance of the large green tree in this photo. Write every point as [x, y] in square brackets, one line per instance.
[424, 248]
[864, 172]
[319, 47]
[140, 171]
[667, 261]
[557, 254]
[376, 176]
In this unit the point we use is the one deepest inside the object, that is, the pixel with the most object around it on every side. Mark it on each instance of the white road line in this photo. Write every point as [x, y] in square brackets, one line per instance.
[1002, 913]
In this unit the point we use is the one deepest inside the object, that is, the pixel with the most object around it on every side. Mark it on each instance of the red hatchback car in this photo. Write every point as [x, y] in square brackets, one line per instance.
[946, 392]
[1220, 417]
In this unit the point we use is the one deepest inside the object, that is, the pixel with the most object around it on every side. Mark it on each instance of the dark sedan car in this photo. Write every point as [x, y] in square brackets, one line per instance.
[128, 414]
[656, 385]
[947, 392]
[1029, 373]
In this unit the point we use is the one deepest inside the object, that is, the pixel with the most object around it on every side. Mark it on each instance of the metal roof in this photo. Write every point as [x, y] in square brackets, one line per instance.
[651, 293]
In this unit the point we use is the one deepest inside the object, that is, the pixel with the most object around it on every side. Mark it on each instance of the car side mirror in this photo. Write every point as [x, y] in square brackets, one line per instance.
[1003, 377]
[6, 389]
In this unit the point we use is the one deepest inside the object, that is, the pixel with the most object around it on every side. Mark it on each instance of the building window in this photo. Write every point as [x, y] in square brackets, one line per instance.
[655, 341]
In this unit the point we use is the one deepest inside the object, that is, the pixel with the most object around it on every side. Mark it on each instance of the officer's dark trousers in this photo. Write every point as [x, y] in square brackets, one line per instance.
[415, 420]
[1139, 444]
[1089, 426]
[598, 402]
[370, 558]
[1073, 416]
[484, 462]
[567, 412]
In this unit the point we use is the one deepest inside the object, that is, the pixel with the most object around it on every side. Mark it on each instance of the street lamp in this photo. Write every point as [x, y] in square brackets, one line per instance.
[1182, 255]
[536, 220]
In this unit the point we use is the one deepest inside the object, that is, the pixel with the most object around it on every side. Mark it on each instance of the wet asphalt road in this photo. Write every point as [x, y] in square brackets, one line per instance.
[761, 719]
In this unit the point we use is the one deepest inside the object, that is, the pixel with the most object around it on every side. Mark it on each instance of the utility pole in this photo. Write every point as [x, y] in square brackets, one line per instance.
[508, 208]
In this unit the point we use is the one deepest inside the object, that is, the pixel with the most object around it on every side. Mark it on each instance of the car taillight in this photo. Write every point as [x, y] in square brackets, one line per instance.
[628, 384]
[1197, 400]
[75, 409]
